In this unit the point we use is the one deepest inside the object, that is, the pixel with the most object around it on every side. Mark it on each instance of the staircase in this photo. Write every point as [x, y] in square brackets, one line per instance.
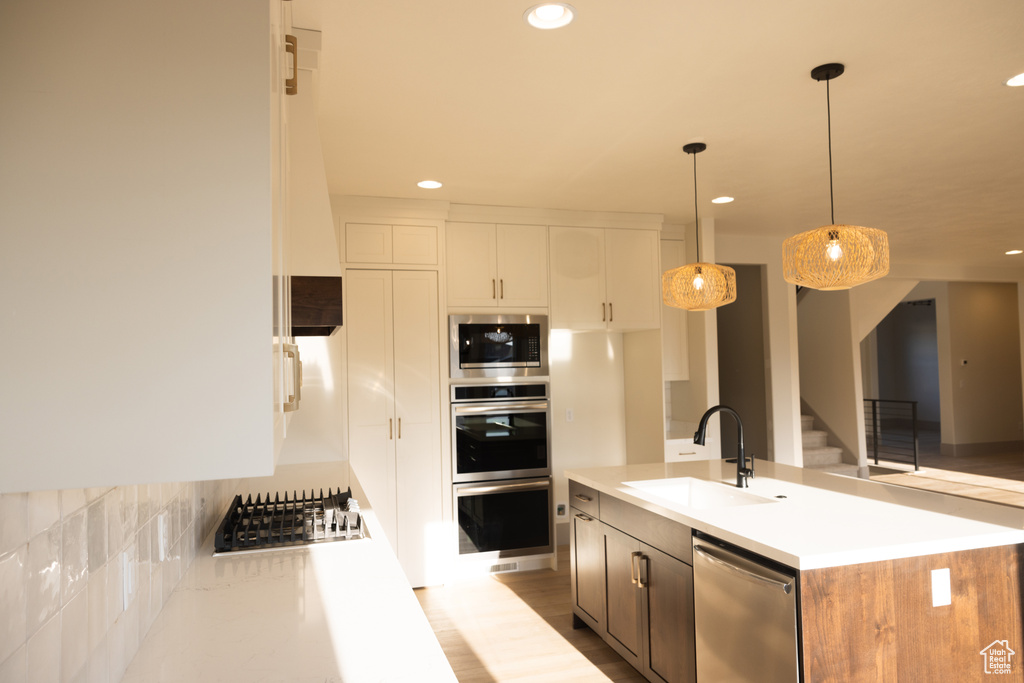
[818, 455]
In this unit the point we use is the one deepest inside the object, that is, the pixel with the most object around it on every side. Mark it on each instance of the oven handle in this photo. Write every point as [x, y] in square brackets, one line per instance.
[500, 408]
[529, 485]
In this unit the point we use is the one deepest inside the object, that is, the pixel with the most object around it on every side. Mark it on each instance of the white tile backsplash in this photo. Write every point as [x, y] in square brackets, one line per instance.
[63, 611]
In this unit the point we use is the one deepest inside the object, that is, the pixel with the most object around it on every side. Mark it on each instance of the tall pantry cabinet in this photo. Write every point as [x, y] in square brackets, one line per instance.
[394, 414]
[143, 200]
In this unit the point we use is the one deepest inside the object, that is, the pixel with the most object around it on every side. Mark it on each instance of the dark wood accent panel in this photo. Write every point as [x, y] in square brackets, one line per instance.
[623, 606]
[587, 569]
[876, 622]
[663, 533]
[584, 498]
[668, 601]
[316, 303]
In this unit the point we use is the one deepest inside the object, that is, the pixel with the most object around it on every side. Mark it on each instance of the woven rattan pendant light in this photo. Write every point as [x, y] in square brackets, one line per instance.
[834, 256]
[698, 286]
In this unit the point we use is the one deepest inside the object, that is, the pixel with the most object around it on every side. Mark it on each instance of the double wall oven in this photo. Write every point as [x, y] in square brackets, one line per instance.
[501, 459]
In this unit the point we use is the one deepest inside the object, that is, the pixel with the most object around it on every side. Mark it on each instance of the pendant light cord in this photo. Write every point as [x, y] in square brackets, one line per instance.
[696, 220]
[831, 195]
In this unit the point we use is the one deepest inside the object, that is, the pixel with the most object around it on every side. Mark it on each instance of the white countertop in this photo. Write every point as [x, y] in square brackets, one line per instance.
[824, 520]
[326, 613]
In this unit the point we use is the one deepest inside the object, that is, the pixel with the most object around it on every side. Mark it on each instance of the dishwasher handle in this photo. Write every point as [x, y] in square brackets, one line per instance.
[786, 586]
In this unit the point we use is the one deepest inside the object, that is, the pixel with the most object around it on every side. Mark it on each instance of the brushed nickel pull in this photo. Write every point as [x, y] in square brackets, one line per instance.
[494, 289]
[604, 317]
[584, 517]
[292, 402]
[581, 497]
[611, 313]
[291, 46]
[640, 583]
[502, 288]
[399, 428]
[389, 429]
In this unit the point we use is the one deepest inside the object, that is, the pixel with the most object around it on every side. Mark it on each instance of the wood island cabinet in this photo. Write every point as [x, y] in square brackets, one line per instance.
[604, 279]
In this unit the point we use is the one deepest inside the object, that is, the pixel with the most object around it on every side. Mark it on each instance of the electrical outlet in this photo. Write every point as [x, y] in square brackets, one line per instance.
[568, 415]
[560, 510]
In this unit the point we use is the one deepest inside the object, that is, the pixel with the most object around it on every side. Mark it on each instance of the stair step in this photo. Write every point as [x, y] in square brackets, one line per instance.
[814, 438]
[827, 455]
[806, 422]
[843, 469]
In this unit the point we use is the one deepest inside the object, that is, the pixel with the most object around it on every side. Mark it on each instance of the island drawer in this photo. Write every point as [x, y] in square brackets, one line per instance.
[583, 498]
[665, 534]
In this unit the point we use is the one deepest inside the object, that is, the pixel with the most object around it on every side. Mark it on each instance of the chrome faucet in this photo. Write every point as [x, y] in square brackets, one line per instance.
[742, 471]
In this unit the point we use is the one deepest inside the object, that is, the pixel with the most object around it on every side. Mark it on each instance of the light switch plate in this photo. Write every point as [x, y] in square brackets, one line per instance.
[942, 594]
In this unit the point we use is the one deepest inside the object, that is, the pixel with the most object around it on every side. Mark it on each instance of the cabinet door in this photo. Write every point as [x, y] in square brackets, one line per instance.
[623, 607]
[675, 361]
[417, 424]
[577, 278]
[414, 245]
[586, 559]
[367, 243]
[633, 280]
[522, 265]
[371, 425]
[668, 617]
[471, 265]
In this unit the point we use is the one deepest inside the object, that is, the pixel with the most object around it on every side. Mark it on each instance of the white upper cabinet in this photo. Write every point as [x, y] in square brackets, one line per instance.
[143, 220]
[391, 244]
[497, 265]
[675, 361]
[604, 279]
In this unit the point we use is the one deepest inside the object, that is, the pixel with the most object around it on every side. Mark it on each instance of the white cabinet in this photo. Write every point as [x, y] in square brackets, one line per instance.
[394, 413]
[675, 361]
[142, 214]
[391, 244]
[604, 279]
[497, 265]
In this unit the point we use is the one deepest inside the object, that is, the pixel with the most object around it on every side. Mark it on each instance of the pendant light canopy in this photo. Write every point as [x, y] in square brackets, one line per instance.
[698, 286]
[834, 256]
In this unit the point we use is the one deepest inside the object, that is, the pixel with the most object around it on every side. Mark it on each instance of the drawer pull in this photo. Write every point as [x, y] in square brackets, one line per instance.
[634, 567]
[291, 46]
[584, 518]
[582, 498]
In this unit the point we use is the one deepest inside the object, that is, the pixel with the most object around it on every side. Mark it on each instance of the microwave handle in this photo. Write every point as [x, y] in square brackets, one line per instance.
[500, 408]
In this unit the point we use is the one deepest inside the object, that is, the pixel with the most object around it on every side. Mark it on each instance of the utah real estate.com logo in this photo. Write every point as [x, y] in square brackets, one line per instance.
[997, 657]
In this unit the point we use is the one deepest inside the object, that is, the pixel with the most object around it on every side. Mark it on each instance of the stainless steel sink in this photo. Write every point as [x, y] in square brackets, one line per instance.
[697, 493]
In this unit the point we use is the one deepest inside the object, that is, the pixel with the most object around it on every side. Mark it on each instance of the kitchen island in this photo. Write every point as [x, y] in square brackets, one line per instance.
[323, 613]
[892, 583]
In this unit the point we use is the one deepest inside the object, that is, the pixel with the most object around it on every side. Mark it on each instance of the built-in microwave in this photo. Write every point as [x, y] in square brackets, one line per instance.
[498, 345]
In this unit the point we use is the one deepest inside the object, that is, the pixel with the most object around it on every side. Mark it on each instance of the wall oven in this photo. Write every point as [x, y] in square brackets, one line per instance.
[501, 468]
[498, 345]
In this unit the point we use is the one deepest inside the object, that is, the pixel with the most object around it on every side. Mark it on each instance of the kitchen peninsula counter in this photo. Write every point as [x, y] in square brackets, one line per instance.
[324, 613]
[822, 520]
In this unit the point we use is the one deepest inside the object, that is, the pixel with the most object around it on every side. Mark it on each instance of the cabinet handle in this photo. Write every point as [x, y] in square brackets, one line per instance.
[640, 583]
[291, 46]
[584, 517]
[604, 316]
[399, 428]
[634, 567]
[582, 498]
[389, 429]
[292, 403]
[502, 281]
[611, 313]
[494, 288]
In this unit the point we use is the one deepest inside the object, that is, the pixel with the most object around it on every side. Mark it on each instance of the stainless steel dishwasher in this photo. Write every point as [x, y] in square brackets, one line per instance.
[745, 615]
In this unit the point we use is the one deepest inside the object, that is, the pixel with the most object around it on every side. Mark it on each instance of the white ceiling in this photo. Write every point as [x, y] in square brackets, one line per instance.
[928, 142]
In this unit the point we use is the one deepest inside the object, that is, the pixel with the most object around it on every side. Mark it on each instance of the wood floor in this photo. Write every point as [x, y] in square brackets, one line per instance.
[518, 627]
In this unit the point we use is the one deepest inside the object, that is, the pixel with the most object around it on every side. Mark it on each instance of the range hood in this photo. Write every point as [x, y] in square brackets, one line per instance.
[313, 257]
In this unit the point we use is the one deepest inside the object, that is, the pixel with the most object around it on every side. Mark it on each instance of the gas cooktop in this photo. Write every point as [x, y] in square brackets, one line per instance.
[270, 524]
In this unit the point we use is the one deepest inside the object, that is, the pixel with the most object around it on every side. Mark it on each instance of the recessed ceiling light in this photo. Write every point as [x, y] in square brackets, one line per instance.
[429, 184]
[550, 15]
[1016, 80]
[1013, 252]
[722, 200]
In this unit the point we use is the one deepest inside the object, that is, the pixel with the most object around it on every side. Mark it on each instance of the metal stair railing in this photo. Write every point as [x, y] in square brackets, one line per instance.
[891, 430]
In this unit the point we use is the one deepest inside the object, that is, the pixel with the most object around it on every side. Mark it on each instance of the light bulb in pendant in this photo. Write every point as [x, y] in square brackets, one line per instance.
[698, 280]
[834, 250]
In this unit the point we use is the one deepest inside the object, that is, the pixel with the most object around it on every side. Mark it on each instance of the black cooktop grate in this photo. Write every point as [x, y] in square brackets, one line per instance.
[297, 520]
